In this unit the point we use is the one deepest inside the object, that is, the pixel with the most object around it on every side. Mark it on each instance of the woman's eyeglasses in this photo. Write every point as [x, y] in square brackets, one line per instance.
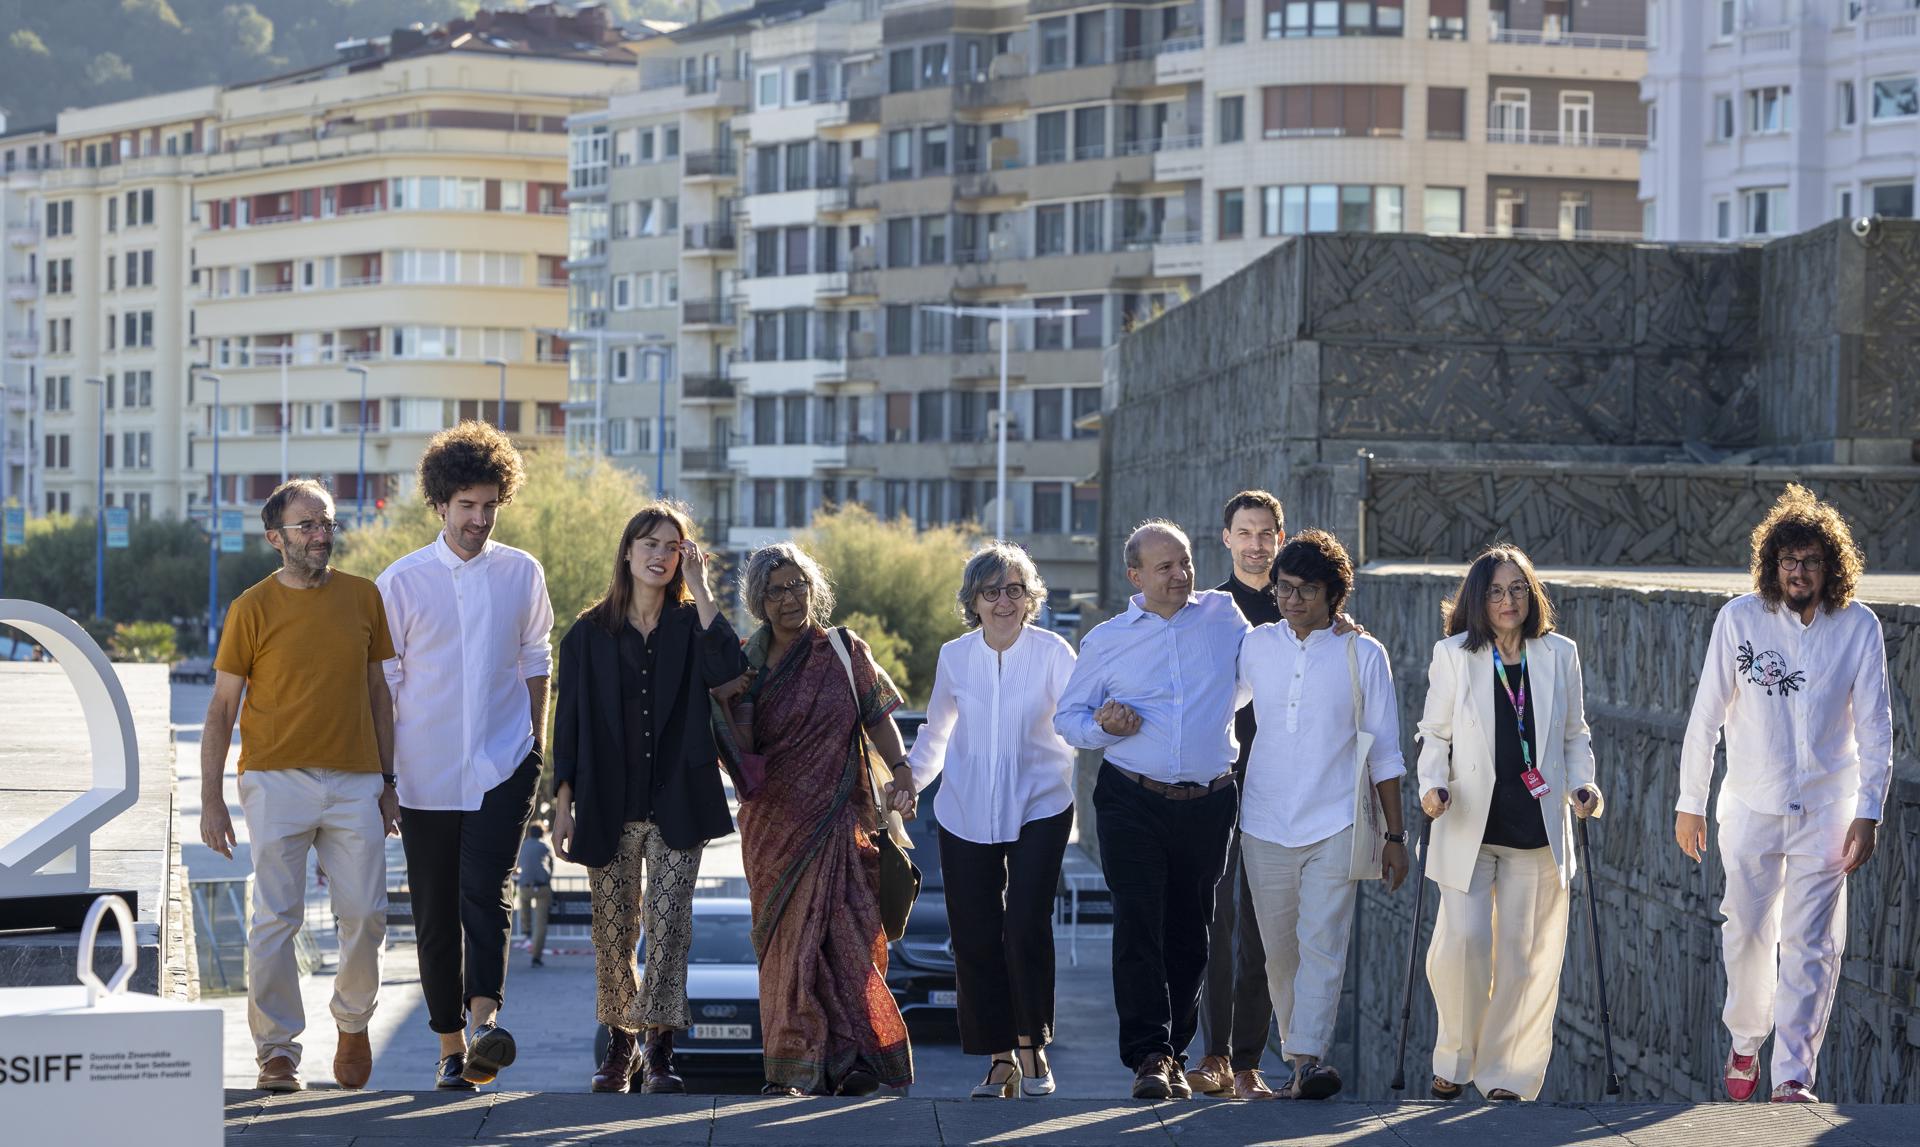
[1014, 592]
[793, 590]
[1498, 593]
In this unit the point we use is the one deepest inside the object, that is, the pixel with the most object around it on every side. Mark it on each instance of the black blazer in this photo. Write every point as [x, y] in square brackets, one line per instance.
[589, 733]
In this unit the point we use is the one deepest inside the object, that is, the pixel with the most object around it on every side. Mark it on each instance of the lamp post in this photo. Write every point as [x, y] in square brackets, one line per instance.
[1003, 313]
[500, 421]
[200, 370]
[360, 484]
[660, 440]
[100, 508]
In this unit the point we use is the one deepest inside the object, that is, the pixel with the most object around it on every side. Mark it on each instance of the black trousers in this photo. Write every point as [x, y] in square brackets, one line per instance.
[1235, 1008]
[457, 869]
[1000, 913]
[1162, 860]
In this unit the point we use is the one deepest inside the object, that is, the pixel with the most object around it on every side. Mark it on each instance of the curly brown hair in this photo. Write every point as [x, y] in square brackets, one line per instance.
[470, 454]
[1315, 556]
[1800, 519]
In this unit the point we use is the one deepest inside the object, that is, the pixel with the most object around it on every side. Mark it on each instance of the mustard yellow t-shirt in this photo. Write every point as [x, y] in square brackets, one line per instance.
[305, 654]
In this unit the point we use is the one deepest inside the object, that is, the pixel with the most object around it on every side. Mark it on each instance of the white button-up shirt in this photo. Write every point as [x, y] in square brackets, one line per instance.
[1179, 675]
[1805, 708]
[1299, 787]
[467, 635]
[990, 728]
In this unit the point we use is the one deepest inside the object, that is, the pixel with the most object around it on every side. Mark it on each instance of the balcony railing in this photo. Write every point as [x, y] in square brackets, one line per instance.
[708, 386]
[708, 237]
[1161, 143]
[706, 459]
[1553, 39]
[23, 235]
[711, 163]
[1598, 139]
[707, 312]
[1758, 40]
[23, 346]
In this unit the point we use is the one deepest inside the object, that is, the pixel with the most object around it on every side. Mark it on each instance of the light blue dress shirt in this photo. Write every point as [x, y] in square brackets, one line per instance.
[1180, 675]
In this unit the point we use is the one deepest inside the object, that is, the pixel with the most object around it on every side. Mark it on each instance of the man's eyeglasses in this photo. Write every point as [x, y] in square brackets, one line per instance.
[1812, 564]
[1014, 592]
[1518, 592]
[309, 527]
[793, 590]
[1305, 591]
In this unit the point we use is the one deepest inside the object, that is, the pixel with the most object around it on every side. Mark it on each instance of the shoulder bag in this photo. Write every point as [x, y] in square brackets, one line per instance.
[899, 876]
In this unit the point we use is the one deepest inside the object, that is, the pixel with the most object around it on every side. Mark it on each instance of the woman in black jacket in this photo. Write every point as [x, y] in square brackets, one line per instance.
[637, 782]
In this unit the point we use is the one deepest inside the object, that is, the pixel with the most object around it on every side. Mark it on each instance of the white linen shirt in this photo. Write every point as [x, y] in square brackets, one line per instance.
[990, 728]
[467, 635]
[1299, 786]
[1805, 708]
[1179, 675]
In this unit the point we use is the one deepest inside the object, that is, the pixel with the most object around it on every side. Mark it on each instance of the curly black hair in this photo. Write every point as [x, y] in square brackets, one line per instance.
[470, 454]
[1316, 556]
[1799, 519]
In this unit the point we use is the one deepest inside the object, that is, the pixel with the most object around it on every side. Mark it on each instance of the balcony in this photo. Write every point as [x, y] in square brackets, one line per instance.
[708, 461]
[1551, 38]
[708, 238]
[23, 346]
[1604, 140]
[1891, 26]
[999, 92]
[703, 165]
[22, 288]
[1766, 41]
[706, 313]
[23, 235]
[708, 387]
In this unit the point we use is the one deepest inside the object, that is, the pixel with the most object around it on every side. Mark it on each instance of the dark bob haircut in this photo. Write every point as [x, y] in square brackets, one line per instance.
[1467, 611]
[470, 454]
[1799, 519]
[1316, 556]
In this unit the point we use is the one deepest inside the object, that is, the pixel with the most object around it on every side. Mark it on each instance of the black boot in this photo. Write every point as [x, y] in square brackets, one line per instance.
[616, 1072]
[658, 1057]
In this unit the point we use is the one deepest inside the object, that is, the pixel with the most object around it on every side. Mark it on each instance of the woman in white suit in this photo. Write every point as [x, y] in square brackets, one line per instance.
[1505, 763]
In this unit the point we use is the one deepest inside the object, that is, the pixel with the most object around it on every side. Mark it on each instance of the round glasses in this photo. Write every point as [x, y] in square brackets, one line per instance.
[793, 590]
[1498, 593]
[1014, 592]
[1811, 564]
[1305, 591]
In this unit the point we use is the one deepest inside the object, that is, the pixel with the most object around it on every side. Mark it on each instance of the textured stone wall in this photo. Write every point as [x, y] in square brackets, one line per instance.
[1641, 651]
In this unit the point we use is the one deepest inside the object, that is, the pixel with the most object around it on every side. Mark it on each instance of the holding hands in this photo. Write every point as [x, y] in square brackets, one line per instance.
[900, 795]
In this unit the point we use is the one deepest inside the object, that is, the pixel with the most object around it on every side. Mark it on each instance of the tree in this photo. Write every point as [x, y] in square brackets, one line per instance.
[149, 642]
[889, 652]
[245, 30]
[906, 579]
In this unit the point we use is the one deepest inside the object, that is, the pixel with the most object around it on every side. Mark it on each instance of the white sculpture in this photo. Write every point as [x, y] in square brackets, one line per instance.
[53, 857]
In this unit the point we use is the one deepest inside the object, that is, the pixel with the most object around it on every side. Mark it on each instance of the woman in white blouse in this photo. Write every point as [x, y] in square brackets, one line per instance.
[1004, 811]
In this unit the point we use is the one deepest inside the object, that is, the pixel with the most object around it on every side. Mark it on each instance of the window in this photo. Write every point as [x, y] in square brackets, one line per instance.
[803, 85]
[670, 142]
[1897, 98]
[1334, 18]
[1049, 507]
[1765, 211]
[1053, 44]
[1844, 100]
[796, 502]
[769, 94]
[798, 243]
[1446, 210]
[1845, 197]
[1232, 212]
[1049, 414]
[899, 417]
[900, 242]
[1446, 113]
[1089, 133]
[933, 408]
[1049, 332]
[900, 70]
[1510, 116]
[766, 492]
[799, 166]
[1089, 326]
[1576, 214]
[1723, 218]
[933, 66]
[1576, 119]
[1728, 19]
[1090, 38]
[899, 330]
[933, 151]
[1769, 110]
[1332, 110]
[1086, 510]
[794, 336]
[1447, 20]
[1233, 21]
[900, 155]
[648, 287]
[645, 136]
[1050, 137]
[1723, 117]
[1893, 200]
[1050, 230]
[622, 292]
[933, 240]
[622, 364]
[793, 419]
[1232, 118]
[1089, 226]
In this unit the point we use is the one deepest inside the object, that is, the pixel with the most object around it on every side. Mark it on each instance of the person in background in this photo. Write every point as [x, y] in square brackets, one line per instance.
[1005, 810]
[470, 620]
[534, 879]
[1506, 762]
[1796, 673]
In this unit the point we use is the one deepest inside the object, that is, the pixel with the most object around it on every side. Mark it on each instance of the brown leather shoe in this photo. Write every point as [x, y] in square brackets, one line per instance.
[279, 1074]
[1214, 1076]
[616, 1071]
[1251, 1085]
[352, 1060]
[1151, 1080]
[659, 1078]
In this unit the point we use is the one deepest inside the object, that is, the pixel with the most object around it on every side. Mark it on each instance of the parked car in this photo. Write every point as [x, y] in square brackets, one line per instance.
[723, 989]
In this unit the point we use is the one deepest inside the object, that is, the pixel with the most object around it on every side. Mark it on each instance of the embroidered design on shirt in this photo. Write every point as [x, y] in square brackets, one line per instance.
[1768, 670]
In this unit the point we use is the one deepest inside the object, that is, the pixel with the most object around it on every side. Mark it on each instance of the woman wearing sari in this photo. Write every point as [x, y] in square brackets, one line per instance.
[830, 1024]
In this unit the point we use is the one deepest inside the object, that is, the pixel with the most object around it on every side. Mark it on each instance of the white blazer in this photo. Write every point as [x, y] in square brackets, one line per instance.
[1456, 749]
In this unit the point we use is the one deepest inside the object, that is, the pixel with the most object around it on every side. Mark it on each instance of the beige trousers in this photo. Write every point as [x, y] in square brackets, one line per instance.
[291, 813]
[1494, 965]
[535, 902]
[1304, 903]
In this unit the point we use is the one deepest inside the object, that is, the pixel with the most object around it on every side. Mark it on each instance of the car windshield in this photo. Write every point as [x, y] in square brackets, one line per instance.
[722, 940]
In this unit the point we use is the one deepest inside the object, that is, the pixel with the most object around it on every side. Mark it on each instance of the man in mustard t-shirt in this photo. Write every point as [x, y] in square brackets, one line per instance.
[316, 775]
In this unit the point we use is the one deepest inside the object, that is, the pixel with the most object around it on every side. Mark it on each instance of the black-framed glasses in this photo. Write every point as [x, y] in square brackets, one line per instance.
[793, 590]
[1305, 591]
[1812, 564]
[308, 527]
[1518, 592]
[1014, 592]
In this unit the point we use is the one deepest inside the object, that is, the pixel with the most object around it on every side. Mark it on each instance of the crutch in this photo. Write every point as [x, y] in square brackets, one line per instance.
[1599, 963]
[1413, 954]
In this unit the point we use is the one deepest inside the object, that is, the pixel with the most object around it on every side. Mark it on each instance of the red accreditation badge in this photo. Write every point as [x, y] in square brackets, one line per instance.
[1536, 784]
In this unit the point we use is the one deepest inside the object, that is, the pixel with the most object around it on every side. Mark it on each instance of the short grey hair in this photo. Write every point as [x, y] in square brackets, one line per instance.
[762, 564]
[1000, 562]
[1148, 529]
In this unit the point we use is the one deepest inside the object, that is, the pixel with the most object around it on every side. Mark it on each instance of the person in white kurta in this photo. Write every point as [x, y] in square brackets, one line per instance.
[1502, 845]
[1297, 806]
[1796, 674]
[1004, 812]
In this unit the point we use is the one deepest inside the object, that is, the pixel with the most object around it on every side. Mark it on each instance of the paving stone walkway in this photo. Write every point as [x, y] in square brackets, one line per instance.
[510, 1119]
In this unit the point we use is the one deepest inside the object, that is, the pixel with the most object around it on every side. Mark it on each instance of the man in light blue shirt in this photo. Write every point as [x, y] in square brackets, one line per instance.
[1155, 689]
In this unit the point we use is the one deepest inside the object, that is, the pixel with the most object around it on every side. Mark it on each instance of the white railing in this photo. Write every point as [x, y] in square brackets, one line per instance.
[1894, 26]
[272, 288]
[1568, 39]
[1164, 143]
[1600, 139]
[1767, 40]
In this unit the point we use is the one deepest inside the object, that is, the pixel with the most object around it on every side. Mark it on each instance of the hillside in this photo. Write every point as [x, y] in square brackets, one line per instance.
[57, 54]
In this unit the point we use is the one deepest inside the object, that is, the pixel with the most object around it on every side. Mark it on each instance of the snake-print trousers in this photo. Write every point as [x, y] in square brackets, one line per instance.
[625, 999]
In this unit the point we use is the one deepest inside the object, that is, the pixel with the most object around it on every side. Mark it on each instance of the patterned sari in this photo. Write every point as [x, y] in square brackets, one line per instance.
[813, 873]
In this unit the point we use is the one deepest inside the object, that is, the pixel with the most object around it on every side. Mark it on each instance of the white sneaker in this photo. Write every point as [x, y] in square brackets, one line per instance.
[1793, 1091]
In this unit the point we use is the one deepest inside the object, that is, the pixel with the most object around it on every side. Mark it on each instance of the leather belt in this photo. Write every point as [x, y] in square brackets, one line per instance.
[1180, 791]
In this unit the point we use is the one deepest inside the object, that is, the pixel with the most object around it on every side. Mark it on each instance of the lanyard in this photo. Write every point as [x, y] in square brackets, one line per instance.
[1519, 700]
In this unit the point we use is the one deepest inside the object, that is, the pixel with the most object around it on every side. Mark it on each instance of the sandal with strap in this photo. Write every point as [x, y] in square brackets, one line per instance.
[1446, 1088]
[1002, 1082]
[1033, 1086]
[1502, 1095]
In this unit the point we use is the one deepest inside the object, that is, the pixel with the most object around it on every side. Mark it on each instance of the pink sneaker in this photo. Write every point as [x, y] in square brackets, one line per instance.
[1743, 1075]
[1793, 1091]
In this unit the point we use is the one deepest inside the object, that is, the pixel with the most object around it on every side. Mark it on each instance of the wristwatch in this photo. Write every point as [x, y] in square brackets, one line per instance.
[391, 779]
[1395, 837]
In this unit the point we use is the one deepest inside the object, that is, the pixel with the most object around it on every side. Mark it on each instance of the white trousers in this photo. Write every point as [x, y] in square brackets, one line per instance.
[1494, 965]
[1786, 926]
[291, 813]
[1304, 903]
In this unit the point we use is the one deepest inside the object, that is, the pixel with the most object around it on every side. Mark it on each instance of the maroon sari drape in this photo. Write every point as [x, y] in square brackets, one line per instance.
[813, 874]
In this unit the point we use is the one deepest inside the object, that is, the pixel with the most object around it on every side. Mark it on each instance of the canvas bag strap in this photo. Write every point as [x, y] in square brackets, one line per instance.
[896, 827]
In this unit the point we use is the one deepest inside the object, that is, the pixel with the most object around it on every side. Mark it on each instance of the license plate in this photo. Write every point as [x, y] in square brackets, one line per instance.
[722, 1031]
[943, 999]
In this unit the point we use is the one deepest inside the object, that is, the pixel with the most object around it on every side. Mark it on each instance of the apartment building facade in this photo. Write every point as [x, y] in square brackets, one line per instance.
[1779, 115]
[24, 154]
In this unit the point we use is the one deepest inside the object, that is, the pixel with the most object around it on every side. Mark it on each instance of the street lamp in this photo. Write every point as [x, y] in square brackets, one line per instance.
[1003, 313]
[360, 484]
[501, 421]
[199, 369]
[100, 509]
